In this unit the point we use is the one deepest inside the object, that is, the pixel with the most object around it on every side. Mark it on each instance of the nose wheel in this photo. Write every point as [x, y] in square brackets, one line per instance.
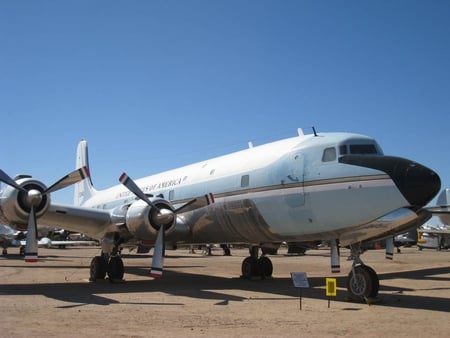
[362, 281]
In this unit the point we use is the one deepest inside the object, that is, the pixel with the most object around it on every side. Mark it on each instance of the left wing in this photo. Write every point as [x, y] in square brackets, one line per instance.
[25, 200]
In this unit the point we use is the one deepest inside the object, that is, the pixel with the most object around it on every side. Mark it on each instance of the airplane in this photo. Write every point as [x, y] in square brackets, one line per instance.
[14, 238]
[433, 237]
[442, 210]
[336, 187]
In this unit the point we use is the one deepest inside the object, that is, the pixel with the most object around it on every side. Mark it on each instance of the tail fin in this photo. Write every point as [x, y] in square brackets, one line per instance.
[83, 189]
[443, 199]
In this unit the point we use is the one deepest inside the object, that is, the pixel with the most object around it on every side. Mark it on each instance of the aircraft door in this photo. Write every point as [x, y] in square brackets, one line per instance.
[295, 176]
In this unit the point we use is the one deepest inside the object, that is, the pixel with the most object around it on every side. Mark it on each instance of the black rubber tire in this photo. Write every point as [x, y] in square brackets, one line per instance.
[249, 267]
[265, 267]
[366, 283]
[115, 268]
[375, 281]
[98, 268]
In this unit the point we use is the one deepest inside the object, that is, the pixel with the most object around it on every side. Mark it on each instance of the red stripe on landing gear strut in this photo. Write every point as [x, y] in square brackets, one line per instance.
[31, 257]
[335, 268]
[156, 272]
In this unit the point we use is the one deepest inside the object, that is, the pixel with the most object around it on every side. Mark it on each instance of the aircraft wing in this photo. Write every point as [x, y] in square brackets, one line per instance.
[94, 223]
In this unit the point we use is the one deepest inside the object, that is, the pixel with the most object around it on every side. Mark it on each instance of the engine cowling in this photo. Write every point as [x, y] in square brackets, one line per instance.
[16, 205]
[144, 221]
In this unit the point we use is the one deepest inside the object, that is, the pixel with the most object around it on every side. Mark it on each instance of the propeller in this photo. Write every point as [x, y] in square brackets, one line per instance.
[161, 217]
[33, 198]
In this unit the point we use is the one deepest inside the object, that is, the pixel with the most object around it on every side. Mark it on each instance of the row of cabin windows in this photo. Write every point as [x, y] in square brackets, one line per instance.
[329, 154]
[245, 182]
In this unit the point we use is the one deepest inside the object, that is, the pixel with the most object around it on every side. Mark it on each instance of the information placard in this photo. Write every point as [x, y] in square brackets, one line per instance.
[300, 279]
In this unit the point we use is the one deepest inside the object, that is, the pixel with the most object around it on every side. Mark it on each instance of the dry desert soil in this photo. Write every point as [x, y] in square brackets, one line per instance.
[203, 296]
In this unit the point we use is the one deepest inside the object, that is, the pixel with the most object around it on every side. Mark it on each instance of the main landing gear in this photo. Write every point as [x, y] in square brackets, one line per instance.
[362, 282]
[252, 266]
[107, 264]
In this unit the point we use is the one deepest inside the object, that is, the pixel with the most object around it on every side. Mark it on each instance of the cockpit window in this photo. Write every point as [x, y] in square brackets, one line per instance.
[329, 154]
[362, 149]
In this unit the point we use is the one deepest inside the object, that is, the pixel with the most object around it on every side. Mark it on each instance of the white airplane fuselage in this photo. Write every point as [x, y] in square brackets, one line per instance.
[290, 190]
[334, 187]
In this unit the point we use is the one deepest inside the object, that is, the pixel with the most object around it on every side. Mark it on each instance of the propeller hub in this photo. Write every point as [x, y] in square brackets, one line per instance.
[34, 197]
[164, 216]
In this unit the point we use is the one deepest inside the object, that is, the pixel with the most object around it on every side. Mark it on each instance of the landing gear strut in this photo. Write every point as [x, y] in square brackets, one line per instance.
[252, 266]
[362, 282]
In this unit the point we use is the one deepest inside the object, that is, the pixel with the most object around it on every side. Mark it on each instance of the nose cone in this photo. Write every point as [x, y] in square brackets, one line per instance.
[417, 183]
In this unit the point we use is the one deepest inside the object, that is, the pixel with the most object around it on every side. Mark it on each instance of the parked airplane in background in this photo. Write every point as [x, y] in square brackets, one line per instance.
[335, 187]
[433, 237]
[442, 210]
[13, 238]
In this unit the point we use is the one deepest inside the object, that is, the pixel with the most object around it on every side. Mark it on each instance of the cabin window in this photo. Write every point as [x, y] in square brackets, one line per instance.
[212, 171]
[171, 195]
[329, 154]
[362, 149]
[245, 181]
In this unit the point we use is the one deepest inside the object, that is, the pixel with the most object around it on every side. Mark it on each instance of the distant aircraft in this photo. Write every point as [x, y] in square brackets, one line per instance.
[442, 210]
[333, 187]
[433, 237]
[13, 238]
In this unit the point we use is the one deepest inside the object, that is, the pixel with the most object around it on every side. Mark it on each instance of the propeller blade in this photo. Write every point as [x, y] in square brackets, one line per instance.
[163, 217]
[31, 247]
[129, 183]
[196, 203]
[9, 181]
[72, 178]
[158, 255]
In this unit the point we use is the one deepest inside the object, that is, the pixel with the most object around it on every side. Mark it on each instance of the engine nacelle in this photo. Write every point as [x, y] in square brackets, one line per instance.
[14, 204]
[144, 221]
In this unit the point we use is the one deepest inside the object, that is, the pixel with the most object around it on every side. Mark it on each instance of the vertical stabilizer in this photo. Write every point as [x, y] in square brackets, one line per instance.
[444, 198]
[83, 189]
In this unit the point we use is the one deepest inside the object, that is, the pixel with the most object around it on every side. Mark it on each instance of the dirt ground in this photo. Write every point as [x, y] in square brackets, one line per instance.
[203, 296]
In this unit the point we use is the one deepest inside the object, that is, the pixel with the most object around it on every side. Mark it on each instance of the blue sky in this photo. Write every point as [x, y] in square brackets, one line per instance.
[153, 85]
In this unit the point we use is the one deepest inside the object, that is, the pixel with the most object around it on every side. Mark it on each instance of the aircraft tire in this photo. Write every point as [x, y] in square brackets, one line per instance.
[98, 268]
[364, 285]
[115, 268]
[265, 267]
[249, 267]
[375, 281]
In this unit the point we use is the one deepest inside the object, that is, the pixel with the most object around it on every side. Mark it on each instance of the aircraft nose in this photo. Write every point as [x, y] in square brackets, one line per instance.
[417, 183]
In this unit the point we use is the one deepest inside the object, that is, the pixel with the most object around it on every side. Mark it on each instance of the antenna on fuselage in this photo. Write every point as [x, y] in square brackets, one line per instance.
[314, 130]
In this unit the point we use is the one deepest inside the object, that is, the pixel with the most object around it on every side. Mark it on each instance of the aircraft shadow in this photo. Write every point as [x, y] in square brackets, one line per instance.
[198, 286]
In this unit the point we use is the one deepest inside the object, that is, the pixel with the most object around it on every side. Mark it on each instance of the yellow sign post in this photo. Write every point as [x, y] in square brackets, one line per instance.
[330, 288]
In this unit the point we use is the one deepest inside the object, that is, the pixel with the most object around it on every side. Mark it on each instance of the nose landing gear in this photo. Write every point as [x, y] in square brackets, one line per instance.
[362, 282]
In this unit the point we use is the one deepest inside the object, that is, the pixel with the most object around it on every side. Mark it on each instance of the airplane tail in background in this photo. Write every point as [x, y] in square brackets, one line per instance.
[443, 199]
[83, 189]
[442, 210]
